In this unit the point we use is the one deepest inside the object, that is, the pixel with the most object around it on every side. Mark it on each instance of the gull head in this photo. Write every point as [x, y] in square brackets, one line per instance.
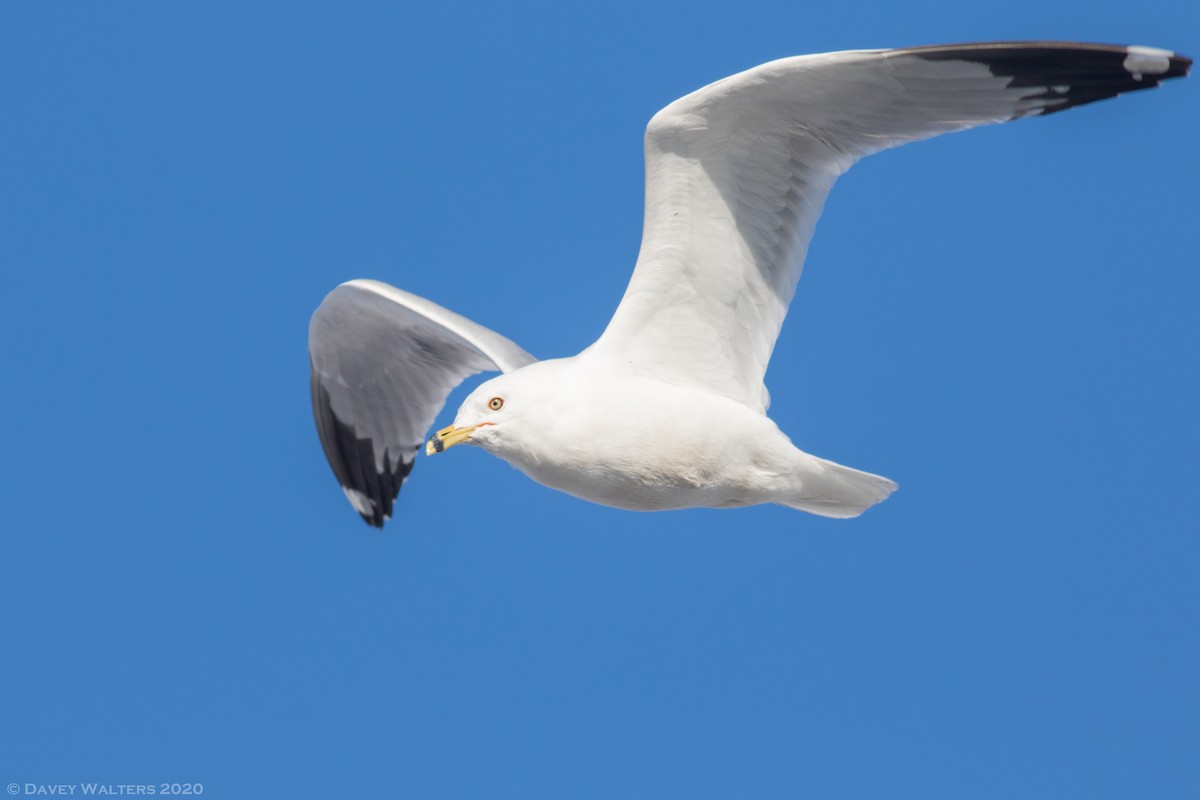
[503, 411]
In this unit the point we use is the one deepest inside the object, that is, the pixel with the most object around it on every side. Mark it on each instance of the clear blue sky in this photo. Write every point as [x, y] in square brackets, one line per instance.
[1004, 321]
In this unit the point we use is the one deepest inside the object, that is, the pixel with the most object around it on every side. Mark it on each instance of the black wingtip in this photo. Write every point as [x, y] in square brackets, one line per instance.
[1068, 74]
[352, 459]
[374, 520]
[1181, 66]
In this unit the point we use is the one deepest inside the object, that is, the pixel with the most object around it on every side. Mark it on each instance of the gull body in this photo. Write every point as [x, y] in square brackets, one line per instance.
[629, 441]
[668, 409]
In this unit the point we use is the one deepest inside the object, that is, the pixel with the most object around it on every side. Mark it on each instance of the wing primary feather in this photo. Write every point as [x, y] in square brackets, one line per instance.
[351, 458]
[327, 429]
[1077, 74]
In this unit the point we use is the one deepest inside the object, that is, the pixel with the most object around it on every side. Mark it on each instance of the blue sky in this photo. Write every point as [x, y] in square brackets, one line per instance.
[1003, 321]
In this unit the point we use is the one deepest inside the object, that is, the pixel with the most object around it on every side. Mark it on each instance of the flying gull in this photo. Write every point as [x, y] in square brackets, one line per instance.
[667, 409]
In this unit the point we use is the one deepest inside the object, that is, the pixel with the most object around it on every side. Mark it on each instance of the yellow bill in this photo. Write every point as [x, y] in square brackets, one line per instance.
[448, 437]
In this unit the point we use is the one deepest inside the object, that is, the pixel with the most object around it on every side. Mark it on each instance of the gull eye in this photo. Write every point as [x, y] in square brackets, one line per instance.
[496, 403]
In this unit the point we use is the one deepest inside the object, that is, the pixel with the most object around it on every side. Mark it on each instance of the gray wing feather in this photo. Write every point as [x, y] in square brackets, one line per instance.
[383, 363]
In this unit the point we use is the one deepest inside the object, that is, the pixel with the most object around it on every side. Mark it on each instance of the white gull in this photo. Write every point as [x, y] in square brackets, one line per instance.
[667, 409]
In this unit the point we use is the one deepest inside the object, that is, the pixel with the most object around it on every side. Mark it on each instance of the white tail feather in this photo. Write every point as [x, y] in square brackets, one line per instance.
[832, 490]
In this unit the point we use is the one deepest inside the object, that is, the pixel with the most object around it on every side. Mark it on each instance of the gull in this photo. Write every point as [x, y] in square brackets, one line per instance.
[667, 409]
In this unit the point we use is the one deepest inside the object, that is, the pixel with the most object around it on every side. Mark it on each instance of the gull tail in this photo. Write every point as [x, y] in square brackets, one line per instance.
[831, 490]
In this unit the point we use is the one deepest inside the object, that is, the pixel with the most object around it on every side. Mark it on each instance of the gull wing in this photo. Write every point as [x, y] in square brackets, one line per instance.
[737, 174]
[383, 362]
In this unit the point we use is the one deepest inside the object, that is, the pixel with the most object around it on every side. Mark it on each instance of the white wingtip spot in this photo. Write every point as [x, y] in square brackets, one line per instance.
[362, 503]
[1146, 61]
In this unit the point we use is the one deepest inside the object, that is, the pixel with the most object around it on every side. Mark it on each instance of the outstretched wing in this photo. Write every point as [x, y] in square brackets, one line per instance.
[737, 174]
[383, 362]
